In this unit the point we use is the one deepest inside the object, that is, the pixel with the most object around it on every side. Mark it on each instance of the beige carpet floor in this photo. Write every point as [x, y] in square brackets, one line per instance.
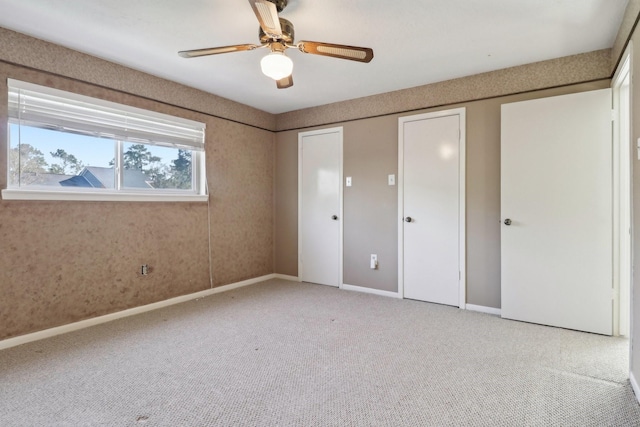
[287, 354]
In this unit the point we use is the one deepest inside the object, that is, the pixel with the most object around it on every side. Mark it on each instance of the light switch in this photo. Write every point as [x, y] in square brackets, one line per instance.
[374, 261]
[392, 180]
[348, 181]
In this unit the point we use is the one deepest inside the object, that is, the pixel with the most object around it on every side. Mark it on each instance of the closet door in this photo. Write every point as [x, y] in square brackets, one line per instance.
[556, 202]
[320, 206]
[432, 207]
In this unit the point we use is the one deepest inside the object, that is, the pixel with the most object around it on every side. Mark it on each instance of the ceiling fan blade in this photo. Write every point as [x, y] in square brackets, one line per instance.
[353, 53]
[267, 15]
[285, 83]
[216, 50]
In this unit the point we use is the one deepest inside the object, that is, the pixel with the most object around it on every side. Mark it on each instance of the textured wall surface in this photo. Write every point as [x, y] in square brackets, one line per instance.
[67, 261]
[540, 75]
[286, 204]
[20, 49]
[240, 175]
[62, 262]
[371, 204]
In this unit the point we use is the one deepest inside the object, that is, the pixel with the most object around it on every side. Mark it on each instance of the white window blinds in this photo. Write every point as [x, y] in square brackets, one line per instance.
[44, 107]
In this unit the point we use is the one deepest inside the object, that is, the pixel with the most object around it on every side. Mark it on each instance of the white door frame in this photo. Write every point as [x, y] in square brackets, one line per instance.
[461, 112]
[301, 135]
[622, 149]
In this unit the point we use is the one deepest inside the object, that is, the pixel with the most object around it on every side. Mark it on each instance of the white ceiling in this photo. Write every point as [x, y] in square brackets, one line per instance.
[415, 42]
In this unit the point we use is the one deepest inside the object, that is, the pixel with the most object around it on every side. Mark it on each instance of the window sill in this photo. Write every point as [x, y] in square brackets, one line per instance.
[22, 194]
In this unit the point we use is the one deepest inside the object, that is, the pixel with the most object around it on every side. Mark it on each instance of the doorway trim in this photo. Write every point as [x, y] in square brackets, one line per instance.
[622, 170]
[461, 112]
[301, 135]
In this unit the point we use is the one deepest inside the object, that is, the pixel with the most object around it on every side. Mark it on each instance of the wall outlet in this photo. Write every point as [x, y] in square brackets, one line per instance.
[144, 270]
[374, 261]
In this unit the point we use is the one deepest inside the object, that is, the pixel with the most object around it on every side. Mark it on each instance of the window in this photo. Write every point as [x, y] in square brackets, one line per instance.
[67, 146]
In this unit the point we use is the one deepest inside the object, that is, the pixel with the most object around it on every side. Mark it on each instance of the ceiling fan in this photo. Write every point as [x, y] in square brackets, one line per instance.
[277, 34]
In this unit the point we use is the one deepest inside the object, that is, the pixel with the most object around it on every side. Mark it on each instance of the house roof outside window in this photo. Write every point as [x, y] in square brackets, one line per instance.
[101, 177]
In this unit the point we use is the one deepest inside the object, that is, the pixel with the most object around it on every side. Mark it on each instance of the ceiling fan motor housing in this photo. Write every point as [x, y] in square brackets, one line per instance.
[280, 4]
[287, 33]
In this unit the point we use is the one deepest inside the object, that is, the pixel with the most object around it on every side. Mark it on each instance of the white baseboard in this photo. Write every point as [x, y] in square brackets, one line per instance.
[369, 291]
[58, 330]
[483, 309]
[634, 386]
[285, 277]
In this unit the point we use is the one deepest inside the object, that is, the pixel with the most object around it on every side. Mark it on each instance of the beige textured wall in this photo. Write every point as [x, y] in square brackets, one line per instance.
[370, 204]
[240, 171]
[540, 75]
[370, 219]
[19, 49]
[286, 204]
[62, 262]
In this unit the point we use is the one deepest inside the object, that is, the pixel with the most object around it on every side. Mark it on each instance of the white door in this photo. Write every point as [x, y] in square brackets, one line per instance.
[557, 197]
[320, 206]
[432, 207]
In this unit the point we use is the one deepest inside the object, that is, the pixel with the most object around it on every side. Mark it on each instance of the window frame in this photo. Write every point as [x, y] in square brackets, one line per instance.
[198, 193]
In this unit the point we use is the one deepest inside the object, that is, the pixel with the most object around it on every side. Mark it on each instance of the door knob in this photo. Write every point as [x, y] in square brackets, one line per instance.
[507, 221]
[408, 219]
[334, 217]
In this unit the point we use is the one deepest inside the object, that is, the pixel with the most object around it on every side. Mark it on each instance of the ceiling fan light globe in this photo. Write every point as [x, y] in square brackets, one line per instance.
[276, 65]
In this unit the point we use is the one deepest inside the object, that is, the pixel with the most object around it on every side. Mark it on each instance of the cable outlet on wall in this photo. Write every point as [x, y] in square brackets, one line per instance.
[144, 270]
[374, 261]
